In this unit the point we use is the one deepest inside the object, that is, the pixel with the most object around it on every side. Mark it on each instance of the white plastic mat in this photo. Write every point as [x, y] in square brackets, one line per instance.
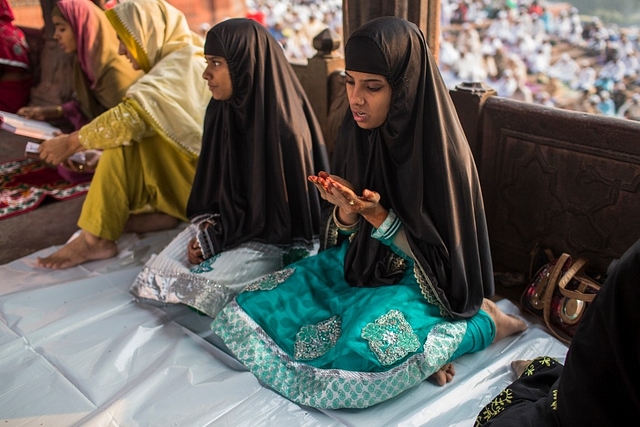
[77, 349]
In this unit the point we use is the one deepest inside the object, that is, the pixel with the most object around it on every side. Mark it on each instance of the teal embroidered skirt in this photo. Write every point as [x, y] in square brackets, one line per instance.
[306, 333]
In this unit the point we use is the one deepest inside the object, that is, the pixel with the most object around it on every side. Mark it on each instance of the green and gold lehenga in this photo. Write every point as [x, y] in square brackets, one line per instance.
[318, 341]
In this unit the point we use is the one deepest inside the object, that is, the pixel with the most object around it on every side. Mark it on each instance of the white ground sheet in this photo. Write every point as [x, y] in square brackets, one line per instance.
[76, 349]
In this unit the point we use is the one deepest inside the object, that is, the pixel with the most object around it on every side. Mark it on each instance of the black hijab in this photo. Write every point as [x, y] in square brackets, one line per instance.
[420, 162]
[258, 147]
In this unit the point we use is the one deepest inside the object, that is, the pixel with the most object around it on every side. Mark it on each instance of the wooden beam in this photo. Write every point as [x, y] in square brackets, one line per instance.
[424, 13]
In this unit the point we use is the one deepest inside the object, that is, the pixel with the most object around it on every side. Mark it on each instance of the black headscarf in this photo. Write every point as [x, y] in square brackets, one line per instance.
[258, 147]
[420, 162]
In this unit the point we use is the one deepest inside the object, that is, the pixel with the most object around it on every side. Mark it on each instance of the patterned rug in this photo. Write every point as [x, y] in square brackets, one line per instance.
[26, 183]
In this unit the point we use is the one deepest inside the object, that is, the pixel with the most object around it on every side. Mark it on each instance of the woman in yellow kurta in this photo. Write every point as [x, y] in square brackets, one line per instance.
[151, 140]
[101, 77]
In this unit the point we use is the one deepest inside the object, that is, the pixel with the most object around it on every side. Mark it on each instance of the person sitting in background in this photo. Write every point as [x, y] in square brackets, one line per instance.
[565, 69]
[597, 386]
[400, 287]
[251, 207]
[15, 66]
[586, 77]
[150, 140]
[606, 106]
[612, 72]
[631, 108]
[101, 76]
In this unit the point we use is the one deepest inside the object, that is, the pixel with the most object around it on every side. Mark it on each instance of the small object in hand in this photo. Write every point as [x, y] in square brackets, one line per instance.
[79, 158]
[352, 202]
[31, 150]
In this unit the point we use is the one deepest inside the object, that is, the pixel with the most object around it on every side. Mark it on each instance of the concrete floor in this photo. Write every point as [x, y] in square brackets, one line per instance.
[52, 223]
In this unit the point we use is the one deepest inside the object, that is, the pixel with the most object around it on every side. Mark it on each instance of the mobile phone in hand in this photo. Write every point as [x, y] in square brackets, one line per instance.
[31, 150]
[78, 158]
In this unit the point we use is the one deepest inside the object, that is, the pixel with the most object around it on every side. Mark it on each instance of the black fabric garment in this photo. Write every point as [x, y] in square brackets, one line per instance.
[599, 384]
[530, 401]
[420, 162]
[258, 147]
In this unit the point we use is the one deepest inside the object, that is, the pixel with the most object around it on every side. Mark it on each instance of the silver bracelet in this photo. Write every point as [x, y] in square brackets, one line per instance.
[346, 228]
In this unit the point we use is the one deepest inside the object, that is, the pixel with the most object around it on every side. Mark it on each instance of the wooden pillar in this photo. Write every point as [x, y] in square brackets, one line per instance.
[468, 99]
[424, 13]
[320, 78]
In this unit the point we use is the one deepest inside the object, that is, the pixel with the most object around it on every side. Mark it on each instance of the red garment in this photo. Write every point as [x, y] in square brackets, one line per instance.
[15, 94]
[14, 50]
[257, 16]
[14, 59]
[536, 9]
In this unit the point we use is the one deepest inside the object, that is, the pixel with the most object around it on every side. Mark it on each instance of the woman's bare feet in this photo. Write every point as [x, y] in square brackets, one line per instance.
[148, 222]
[506, 324]
[85, 247]
[519, 366]
[444, 375]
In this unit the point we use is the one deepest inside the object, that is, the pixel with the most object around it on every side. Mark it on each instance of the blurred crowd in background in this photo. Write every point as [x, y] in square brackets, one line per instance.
[542, 52]
[295, 23]
[530, 50]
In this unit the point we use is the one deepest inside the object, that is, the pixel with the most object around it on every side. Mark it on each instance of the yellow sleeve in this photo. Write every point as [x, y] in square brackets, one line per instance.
[120, 125]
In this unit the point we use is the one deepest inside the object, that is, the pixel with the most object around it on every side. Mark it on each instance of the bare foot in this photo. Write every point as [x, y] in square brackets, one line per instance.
[85, 247]
[148, 222]
[519, 366]
[506, 324]
[444, 375]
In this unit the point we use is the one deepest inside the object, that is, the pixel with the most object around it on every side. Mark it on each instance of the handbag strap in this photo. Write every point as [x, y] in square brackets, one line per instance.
[552, 282]
[585, 282]
[537, 248]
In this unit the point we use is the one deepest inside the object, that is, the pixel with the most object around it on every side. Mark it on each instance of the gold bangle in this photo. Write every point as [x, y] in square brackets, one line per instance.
[347, 228]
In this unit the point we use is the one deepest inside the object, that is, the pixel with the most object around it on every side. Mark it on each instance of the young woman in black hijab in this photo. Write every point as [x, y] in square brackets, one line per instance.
[598, 384]
[251, 207]
[399, 289]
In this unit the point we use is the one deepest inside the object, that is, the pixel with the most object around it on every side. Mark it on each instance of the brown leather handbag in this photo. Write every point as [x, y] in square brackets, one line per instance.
[559, 294]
